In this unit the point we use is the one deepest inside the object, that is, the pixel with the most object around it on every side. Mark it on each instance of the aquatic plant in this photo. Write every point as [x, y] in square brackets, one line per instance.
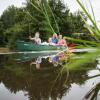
[94, 32]
[42, 6]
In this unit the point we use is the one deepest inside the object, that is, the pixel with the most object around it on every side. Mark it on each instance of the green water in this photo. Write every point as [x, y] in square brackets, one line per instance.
[27, 77]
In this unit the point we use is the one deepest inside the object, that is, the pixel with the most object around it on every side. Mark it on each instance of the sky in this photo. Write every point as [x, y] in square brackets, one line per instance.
[72, 5]
[5, 3]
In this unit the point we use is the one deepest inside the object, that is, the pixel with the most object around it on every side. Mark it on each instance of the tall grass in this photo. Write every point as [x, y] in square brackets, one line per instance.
[95, 32]
[44, 9]
[89, 16]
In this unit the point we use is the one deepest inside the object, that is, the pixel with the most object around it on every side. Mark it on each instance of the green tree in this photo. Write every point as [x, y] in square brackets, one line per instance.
[9, 19]
[40, 17]
[17, 32]
[2, 37]
[46, 16]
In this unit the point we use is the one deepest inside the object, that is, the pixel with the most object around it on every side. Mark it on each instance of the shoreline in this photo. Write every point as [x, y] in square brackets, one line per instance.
[4, 50]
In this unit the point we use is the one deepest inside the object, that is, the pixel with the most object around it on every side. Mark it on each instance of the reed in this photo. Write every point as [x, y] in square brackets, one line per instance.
[89, 16]
[44, 8]
[88, 57]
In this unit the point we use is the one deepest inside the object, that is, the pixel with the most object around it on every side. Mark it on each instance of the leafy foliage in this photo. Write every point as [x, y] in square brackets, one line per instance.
[47, 17]
[94, 32]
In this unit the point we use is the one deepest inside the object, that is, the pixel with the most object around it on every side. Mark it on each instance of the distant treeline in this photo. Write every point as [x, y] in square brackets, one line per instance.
[45, 16]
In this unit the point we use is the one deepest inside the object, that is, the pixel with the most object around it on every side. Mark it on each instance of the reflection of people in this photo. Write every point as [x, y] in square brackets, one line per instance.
[54, 60]
[36, 39]
[58, 59]
[37, 62]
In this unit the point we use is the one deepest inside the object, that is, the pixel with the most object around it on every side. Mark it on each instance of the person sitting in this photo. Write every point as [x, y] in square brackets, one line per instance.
[50, 41]
[54, 39]
[61, 41]
[36, 39]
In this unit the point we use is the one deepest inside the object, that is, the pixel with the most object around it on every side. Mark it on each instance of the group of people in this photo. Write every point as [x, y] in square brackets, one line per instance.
[57, 40]
[55, 60]
[54, 40]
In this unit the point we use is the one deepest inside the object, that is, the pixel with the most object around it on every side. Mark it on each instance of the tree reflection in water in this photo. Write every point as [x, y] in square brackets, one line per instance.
[39, 84]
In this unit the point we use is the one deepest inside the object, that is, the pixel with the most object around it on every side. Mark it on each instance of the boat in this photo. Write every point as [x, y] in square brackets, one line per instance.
[29, 46]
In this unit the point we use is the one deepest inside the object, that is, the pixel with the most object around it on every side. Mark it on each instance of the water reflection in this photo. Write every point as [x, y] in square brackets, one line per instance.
[93, 93]
[59, 59]
[37, 62]
[54, 59]
[15, 74]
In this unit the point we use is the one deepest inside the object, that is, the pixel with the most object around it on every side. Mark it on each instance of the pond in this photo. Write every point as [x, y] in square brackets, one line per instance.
[35, 77]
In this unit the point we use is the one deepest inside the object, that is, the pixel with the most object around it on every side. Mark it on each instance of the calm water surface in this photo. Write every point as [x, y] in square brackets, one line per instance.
[32, 77]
